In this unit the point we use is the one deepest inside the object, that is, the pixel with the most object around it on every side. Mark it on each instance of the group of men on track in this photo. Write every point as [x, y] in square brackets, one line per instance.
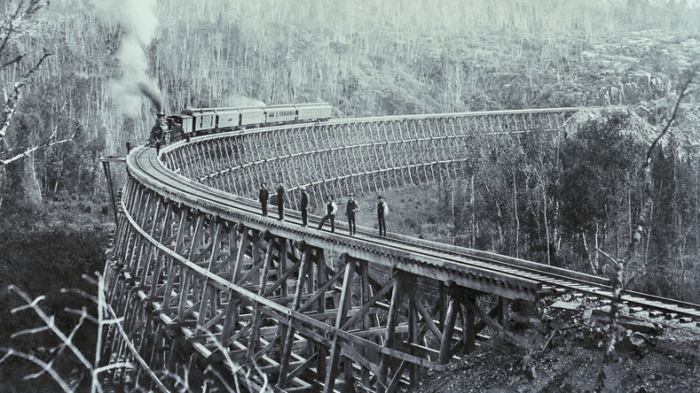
[331, 208]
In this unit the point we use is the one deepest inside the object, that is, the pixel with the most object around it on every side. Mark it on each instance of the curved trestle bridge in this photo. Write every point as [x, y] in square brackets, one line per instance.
[212, 293]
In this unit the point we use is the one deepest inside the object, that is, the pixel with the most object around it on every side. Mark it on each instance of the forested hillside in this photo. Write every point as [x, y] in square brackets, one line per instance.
[554, 200]
[550, 198]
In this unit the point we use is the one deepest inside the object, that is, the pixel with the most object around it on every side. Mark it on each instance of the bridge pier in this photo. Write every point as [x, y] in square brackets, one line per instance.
[198, 289]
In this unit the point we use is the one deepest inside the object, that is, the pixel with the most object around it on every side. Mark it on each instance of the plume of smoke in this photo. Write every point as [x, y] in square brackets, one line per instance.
[239, 100]
[138, 19]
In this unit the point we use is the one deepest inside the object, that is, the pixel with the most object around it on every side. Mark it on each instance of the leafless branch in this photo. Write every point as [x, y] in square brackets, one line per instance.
[82, 314]
[13, 100]
[35, 148]
[13, 61]
[684, 92]
[12, 25]
[29, 331]
[178, 380]
[221, 378]
[130, 346]
[67, 341]
[98, 282]
[113, 366]
[82, 293]
[613, 260]
[47, 367]
[61, 347]
[49, 321]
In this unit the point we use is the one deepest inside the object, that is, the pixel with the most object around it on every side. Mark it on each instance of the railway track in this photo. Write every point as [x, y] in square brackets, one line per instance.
[148, 169]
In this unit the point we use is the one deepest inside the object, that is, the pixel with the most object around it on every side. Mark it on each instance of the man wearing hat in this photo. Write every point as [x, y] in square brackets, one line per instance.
[331, 210]
[350, 210]
[280, 200]
[382, 211]
[263, 198]
[304, 207]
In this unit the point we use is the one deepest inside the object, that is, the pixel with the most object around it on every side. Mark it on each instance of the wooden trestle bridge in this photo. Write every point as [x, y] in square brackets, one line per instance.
[213, 293]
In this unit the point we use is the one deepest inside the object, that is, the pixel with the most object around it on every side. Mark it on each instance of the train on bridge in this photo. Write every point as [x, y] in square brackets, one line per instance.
[201, 121]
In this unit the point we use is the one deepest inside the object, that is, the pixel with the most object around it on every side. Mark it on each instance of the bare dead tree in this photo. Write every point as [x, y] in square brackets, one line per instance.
[617, 281]
[16, 24]
[640, 228]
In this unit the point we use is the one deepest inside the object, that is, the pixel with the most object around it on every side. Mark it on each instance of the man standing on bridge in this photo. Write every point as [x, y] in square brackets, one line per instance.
[264, 196]
[350, 210]
[304, 207]
[382, 211]
[280, 200]
[331, 210]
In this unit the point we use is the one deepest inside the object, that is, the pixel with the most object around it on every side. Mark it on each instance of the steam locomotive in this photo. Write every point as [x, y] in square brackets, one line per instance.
[201, 121]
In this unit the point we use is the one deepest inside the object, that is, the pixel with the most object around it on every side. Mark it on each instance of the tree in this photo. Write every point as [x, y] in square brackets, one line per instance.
[598, 164]
[619, 281]
[13, 56]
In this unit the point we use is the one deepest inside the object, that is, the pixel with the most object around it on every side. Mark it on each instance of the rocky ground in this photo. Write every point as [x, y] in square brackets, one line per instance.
[656, 353]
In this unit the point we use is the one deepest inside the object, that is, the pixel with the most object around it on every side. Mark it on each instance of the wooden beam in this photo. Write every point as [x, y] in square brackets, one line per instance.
[367, 306]
[446, 342]
[389, 338]
[468, 328]
[493, 324]
[287, 349]
[255, 333]
[427, 318]
[343, 306]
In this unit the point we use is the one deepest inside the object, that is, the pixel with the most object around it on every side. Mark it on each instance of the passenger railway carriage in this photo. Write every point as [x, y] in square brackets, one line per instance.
[198, 121]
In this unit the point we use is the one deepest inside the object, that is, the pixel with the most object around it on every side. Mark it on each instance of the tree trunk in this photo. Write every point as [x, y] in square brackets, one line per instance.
[30, 185]
[546, 227]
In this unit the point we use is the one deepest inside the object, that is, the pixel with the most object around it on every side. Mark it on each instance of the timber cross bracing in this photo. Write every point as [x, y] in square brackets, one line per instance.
[205, 284]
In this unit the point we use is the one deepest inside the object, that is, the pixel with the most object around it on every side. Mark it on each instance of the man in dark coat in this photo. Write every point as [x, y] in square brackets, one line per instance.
[382, 211]
[280, 200]
[304, 207]
[331, 210]
[264, 196]
[350, 210]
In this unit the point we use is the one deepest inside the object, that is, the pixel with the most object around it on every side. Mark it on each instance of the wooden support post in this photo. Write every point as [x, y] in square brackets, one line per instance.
[230, 319]
[185, 277]
[156, 360]
[442, 300]
[382, 378]
[321, 350]
[283, 266]
[504, 304]
[173, 265]
[289, 339]
[412, 328]
[343, 307]
[206, 291]
[446, 344]
[365, 295]
[519, 341]
[469, 329]
[349, 378]
[257, 315]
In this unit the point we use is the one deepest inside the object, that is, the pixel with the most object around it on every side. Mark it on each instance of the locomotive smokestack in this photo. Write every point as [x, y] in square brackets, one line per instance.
[153, 93]
[138, 19]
